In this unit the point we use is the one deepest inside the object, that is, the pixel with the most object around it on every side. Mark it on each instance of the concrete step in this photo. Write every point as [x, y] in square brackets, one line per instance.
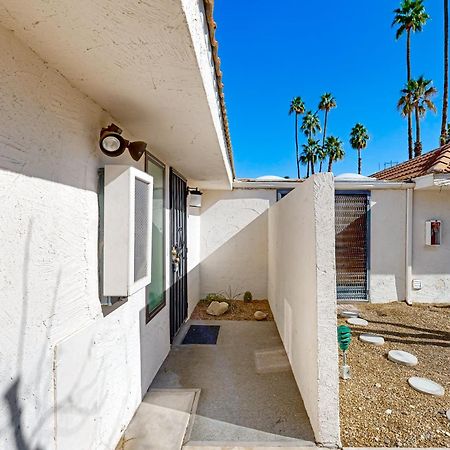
[211, 445]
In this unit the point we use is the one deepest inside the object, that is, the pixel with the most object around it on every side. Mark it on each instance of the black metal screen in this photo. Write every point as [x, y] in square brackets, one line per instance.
[351, 224]
[178, 238]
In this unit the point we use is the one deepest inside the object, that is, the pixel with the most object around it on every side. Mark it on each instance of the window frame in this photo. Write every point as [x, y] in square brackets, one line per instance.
[150, 314]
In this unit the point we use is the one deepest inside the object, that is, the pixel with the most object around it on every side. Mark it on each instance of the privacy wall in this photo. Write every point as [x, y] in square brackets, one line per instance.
[69, 377]
[234, 241]
[302, 295]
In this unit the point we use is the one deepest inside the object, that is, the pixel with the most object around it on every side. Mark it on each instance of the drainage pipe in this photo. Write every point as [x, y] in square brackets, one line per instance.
[409, 245]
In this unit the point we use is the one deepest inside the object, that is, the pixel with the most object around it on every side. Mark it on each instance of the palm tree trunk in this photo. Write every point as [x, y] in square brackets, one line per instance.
[359, 161]
[418, 144]
[296, 145]
[330, 163]
[320, 165]
[312, 168]
[408, 76]
[445, 96]
[325, 120]
[307, 173]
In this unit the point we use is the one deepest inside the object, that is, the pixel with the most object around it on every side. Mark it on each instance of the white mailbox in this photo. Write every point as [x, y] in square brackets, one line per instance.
[433, 229]
[128, 197]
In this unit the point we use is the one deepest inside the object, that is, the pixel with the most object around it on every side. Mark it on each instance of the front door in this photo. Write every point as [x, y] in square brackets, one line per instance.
[352, 245]
[178, 252]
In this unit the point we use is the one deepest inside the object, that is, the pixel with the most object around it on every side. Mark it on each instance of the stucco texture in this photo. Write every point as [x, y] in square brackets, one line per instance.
[63, 364]
[387, 245]
[234, 242]
[431, 264]
[302, 295]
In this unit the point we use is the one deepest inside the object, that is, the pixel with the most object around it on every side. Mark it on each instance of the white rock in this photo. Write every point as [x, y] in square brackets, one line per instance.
[448, 414]
[426, 386]
[372, 339]
[357, 321]
[377, 385]
[259, 315]
[401, 357]
[388, 412]
[217, 308]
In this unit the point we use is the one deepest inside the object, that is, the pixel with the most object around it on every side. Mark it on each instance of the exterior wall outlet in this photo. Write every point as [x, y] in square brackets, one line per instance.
[417, 284]
[127, 240]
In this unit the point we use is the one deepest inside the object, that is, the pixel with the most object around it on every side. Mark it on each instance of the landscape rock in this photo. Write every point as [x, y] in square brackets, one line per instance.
[371, 339]
[217, 308]
[357, 321]
[259, 315]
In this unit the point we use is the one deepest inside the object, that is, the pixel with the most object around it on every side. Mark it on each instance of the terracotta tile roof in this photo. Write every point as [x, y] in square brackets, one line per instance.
[436, 161]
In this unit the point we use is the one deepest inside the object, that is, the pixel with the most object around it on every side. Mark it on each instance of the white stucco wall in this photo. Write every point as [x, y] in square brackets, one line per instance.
[234, 241]
[431, 264]
[302, 295]
[67, 374]
[193, 258]
[387, 245]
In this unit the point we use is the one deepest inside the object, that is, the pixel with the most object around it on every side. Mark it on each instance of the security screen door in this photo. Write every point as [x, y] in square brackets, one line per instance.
[178, 252]
[352, 245]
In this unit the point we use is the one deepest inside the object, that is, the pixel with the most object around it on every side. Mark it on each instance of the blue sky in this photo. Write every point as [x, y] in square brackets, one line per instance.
[273, 51]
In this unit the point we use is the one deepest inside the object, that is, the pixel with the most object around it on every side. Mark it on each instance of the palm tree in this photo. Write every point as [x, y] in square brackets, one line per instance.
[411, 16]
[416, 98]
[443, 138]
[310, 124]
[358, 140]
[327, 102]
[321, 156]
[334, 149]
[297, 107]
[309, 155]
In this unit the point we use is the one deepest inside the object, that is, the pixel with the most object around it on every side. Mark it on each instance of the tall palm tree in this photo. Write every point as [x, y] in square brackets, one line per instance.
[334, 149]
[416, 98]
[309, 155]
[358, 141]
[297, 107]
[443, 138]
[321, 156]
[310, 124]
[327, 102]
[411, 17]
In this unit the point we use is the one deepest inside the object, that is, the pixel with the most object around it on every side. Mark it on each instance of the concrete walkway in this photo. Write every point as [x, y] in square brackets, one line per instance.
[247, 389]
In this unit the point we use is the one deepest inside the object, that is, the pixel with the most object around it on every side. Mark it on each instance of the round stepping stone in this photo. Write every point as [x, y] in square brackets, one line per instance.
[357, 321]
[401, 357]
[426, 386]
[349, 314]
[371, 339]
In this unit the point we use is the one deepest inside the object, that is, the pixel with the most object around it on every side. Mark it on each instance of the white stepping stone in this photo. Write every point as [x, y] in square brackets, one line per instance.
[426, 386]
[349, 313]
[371, 339]
[401, 357]
[357, 321]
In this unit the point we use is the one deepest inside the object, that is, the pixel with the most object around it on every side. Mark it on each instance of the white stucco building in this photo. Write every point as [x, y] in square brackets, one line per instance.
[75, 363]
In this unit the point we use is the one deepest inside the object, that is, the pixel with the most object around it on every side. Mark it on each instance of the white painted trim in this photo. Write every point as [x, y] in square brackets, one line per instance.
[370, 186]
[409, 245]
[266, 184]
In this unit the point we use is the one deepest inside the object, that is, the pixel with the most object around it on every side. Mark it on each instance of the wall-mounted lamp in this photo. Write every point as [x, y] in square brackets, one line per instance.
[113, 144]
[195, 197]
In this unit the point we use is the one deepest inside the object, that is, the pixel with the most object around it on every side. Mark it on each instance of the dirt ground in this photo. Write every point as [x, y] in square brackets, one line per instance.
[377, 406]
[238, 310]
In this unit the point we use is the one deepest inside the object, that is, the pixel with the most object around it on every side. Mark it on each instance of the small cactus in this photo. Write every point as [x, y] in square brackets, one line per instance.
[248, 297]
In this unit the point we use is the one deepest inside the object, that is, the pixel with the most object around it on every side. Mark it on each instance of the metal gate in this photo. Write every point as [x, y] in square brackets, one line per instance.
[178, 252]
[352, 245]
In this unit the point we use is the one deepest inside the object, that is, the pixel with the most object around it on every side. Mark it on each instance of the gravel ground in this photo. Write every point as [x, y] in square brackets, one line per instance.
[377, 406]
[238, 310]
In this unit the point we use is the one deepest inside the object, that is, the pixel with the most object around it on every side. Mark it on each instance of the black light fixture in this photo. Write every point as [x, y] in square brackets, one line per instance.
[113, 144]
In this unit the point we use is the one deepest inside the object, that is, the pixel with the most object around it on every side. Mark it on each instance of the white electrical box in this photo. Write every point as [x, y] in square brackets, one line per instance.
[127, 239]
[417, 284]
[433, 230]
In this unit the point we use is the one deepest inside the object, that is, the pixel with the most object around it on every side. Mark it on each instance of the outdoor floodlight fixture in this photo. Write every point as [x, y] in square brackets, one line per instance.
[113, 144]
[195, 197]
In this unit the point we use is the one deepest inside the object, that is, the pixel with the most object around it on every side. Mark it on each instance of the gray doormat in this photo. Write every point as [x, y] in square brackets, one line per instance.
[202, 334]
